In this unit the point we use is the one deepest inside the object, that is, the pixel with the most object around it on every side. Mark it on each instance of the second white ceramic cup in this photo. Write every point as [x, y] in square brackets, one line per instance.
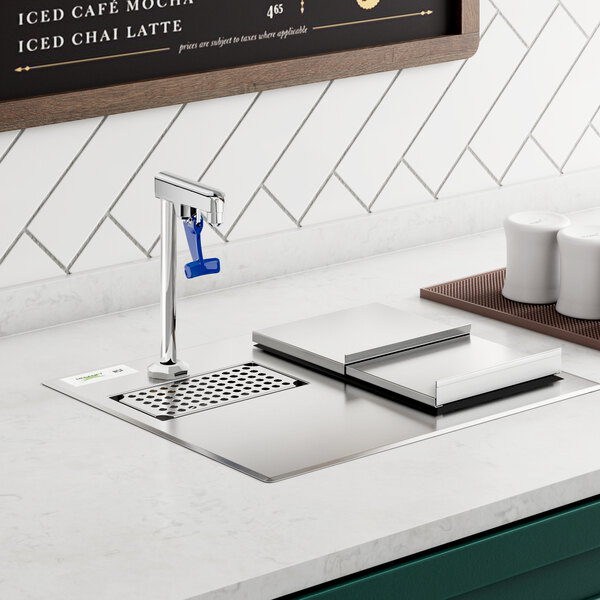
[532, 259]
[579, 295]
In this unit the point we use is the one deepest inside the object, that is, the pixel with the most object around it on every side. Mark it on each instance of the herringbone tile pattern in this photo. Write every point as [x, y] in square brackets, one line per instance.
[525, 107]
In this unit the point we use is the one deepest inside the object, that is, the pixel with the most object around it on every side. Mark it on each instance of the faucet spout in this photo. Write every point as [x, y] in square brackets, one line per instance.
[185, 199]
[190, 198]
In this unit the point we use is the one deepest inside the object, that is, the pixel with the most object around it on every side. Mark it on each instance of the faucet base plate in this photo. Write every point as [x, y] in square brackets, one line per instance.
[166, 372]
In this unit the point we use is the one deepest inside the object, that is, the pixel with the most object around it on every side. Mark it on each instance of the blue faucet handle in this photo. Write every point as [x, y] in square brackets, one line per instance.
[200, 265]
[197, 268]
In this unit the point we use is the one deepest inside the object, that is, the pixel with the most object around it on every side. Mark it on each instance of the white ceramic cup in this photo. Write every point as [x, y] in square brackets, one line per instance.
[532, 260]
[579, 294]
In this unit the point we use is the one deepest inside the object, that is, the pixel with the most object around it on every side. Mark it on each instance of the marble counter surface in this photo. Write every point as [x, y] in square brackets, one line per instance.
[92, 507]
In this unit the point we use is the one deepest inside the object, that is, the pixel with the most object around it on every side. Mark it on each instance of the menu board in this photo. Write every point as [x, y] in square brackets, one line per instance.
[54, 46]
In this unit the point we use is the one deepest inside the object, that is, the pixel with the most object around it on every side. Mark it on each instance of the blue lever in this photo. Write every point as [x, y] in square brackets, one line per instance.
[199, 266]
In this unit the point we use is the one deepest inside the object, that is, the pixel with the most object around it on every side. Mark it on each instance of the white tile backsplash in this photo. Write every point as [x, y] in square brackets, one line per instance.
[27, 262]
[465, 105]
[432, 152]
[109, 246]
[402, 189]
[487, 11]
[187, 147]
[527, 18]
[6, 139]
[325, 137]
[530, 164]
[467, 177]
[333, 203]
[241, 167]
[263, 216]
[393, 127]
[586, 154]
[537, 78]
[95, 180]
[585, 12]
[573, 106]
[33, 167]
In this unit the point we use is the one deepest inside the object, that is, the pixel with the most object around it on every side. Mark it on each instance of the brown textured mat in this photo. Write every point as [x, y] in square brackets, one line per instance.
[482, 294]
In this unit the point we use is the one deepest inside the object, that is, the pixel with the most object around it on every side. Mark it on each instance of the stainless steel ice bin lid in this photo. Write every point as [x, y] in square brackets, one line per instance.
[335, 340]
[453, 370]
[400, 353]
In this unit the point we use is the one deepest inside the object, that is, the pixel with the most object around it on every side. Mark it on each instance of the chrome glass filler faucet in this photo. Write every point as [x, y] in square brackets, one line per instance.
[193, 203]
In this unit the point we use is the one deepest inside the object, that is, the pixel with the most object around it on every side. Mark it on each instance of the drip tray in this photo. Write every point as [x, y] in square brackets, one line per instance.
[171, 400]
[305, 421]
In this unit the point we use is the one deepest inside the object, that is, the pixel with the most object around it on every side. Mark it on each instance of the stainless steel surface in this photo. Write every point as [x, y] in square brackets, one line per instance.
[206, 391]
[335, 340]
[168, 366]
[182, 198]
[406, 354]
[280, 435]
[453, 370]
[190, 197]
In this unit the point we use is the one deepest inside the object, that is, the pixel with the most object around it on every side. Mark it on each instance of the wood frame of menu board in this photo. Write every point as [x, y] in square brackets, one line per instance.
[164, 91]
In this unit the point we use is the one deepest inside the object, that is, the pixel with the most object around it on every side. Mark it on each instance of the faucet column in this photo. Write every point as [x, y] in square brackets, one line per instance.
[168, 367]
[168, 266]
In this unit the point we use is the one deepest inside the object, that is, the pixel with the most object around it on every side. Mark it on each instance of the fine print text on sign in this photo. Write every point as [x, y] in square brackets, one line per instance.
[64, 46]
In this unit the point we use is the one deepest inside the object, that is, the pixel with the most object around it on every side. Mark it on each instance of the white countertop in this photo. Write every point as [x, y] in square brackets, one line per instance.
[93, 507]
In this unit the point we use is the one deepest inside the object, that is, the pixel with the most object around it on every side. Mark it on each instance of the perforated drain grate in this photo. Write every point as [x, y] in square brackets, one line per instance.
[182, 397]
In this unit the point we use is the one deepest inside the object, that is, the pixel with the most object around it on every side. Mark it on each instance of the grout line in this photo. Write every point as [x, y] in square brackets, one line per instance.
[42, 247]
[11, 145]
[574, 20]
[230, 135]
[491, 20]
[51, 192]
[217, 231]
[555, 93]
[276, 200]
[488, 171]
[135, 173]
[126, 187]
[495, 102]
[354, 194]
[278, 160]
[535, 141]
[452, 168]
[427, 119]
[420, 180]
[349, 146]
[66, 171]
[573, 149]
[130, 237]
[86, 243]
[592, 126]
[154, 244]
[588, 126]
[514, 30]
[11, 246]
[505, 87]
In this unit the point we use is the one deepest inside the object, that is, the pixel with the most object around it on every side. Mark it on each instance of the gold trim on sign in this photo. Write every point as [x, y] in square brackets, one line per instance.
[423, 13]
[85, 60]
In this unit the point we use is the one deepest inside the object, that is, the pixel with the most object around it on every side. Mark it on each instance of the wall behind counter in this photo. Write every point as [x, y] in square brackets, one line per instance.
[314, 174]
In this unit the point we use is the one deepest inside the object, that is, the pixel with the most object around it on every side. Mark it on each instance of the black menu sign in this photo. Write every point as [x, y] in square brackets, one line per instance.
[54, 46]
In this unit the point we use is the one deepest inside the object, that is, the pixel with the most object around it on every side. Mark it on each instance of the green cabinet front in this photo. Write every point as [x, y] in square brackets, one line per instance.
[552, 557]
